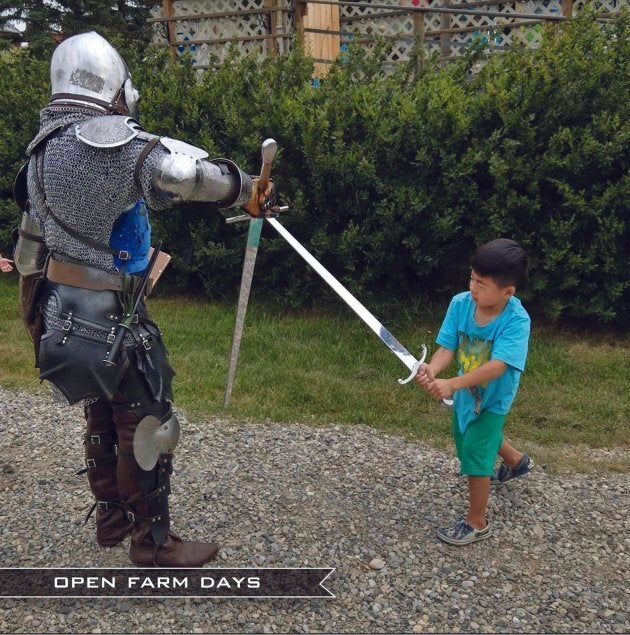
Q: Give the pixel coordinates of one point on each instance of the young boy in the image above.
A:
(489, 330)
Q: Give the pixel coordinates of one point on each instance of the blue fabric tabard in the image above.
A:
(132, 233)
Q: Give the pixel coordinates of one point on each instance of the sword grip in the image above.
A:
(268, 151)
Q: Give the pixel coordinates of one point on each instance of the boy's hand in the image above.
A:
(440, 389)
(425, 375)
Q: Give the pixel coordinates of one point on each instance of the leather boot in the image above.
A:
(175, 552)
(112, 524)
(145, 497)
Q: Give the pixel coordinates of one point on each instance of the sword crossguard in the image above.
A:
(416, 366)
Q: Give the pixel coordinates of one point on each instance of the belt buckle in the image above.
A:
(102, 505)
(95, 439)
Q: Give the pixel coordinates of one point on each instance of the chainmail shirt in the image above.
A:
(88, 188)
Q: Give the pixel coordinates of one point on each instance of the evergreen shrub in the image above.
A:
(394, 180)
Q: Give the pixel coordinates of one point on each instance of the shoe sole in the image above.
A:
(459, 543)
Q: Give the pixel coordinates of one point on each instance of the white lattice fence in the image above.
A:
(207, 28)
(366, 22)
(239, 23)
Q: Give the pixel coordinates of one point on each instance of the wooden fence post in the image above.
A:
(300, 10)
(270, 42)
(445, 38)
(323, 47)
(418, 29)
(567, 8)
(168, 12)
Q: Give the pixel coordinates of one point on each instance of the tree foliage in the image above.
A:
(120, 21)
(393, 181)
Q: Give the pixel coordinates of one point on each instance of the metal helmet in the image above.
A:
(87, 70)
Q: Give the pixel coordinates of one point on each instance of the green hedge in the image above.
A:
(393, 181)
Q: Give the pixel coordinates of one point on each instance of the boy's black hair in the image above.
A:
(503, 260)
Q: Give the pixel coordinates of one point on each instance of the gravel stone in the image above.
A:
(291, 495)
(377, 563)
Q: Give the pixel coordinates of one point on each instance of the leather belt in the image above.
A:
(84, 277)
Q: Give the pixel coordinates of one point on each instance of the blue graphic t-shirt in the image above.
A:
(505, 339)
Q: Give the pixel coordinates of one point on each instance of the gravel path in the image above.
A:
(290, 495)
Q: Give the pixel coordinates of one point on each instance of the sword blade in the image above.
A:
(251, 251)
(384, 335)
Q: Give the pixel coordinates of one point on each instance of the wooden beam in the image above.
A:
(319, 29)
(453, 9)
(223, 40)
(221, 14)
(418, 28)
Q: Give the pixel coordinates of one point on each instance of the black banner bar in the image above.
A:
(117, 582)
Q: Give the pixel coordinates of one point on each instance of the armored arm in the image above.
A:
(184, 173)
(173, 169)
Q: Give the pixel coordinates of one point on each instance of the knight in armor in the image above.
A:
(83, 250)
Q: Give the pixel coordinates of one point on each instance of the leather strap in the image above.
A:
(84, 277)
(39, 182)
(140, 162)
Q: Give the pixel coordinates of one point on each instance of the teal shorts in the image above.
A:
(478, 447)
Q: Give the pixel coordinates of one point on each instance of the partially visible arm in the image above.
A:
(481, 375)
(186, 178)
(185, 174)
(5, 264)
(441, 360)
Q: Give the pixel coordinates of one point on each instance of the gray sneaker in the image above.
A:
(461, 533)
(503, 473)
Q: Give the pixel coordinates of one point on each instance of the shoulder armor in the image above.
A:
(111, 131)
(175, 146)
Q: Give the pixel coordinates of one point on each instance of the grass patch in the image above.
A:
(326, 367)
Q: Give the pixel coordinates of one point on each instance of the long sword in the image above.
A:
(385, 336)
(268, 151)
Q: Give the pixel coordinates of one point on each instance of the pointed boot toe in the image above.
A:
(175, 552)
